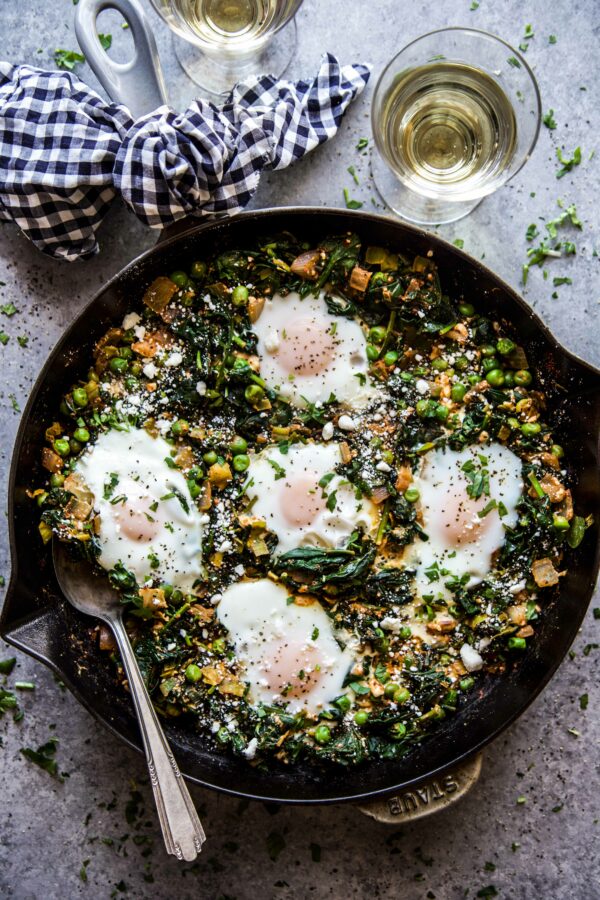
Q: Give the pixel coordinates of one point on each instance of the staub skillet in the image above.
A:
(37, 619)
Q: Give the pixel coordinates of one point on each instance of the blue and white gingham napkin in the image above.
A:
(65, 153)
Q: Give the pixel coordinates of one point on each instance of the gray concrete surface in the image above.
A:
(546, 847)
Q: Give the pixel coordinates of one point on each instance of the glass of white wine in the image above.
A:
(455, 115)
(219, 42)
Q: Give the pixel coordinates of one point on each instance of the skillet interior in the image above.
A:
(38, 620)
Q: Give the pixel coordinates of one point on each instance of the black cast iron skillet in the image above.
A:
(37, 619)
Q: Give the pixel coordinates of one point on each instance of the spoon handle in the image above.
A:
(181, 828)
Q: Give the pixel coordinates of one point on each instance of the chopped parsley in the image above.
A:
(351, 204)
(68, 59)
(549, 120)
(567, 164)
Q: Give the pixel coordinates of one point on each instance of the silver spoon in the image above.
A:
(93, 595)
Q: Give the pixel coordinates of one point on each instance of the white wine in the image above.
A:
(227, 24)
(447, 129)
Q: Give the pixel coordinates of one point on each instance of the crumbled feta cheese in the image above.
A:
(389, 623)
(201, 388)
(250, 751)
(346, 423)
(150, 370)
(131, 320)
(383, 467)
(327, 432)
(225, 547)
(215, 727)
(140, 332)
(272, 342)
(422, 386)
(175, 359)
(472, 660)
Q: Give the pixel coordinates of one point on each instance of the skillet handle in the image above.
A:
(426, 797)
(139, 83)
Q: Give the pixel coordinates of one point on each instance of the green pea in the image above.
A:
(125, 352)
(322, 734)
(423, 408)
(219, 645)
(82, 435)
(238, 445)
(241, 462)
(406, 632)
(210, 457)
(62, 447)
(57, 480)
(41, 498)
(179, 278)
(505, 346)
(80, 397)
(495, 377)
(523, 378)
(557, 451)
(198, 270)
(466, 309)
(458, 391)
(516, 643)
(180, 427)
(377, 334)
(194, 489)
(136, 368)
(254, 393)
(530, 429)
(461, 363)
(487, 350)
(118, 365)
(465, 684)
(193, 673)
(344, 703)
(406, 376)
(441, 412)
(402, 695)
(509, 379)
(561, 523)
(390, 358)
(75, 445)
(473, 379)
(361, 717)
(397, 731)
(514, 423)
(391, 688)
(412, 494)
(239, 295)
(439, 364)
(372, 352)
(488, 363)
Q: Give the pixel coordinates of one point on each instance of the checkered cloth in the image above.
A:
(65, 153)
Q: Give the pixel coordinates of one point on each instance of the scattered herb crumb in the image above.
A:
(556, 282)
(275, 844)
(352, 172)
(9, 309)
(44, 757)
(68, 59)
(583, 701)
(315, 853)
(105, 40)
(459, 243)
(514, 62)
(7, 665)
(351, 204)
(362, 144)
(567, 164)
(552, 39)
(4, 338)
(549, 120)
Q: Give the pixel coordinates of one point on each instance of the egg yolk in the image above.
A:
(301, 501)
(294, 668)
(460, 523)
(306, 347)
(137, 522)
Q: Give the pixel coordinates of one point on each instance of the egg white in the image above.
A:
(143, 522)
(289, 652)
(286, 494)
(307, 354)
(460, 540)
